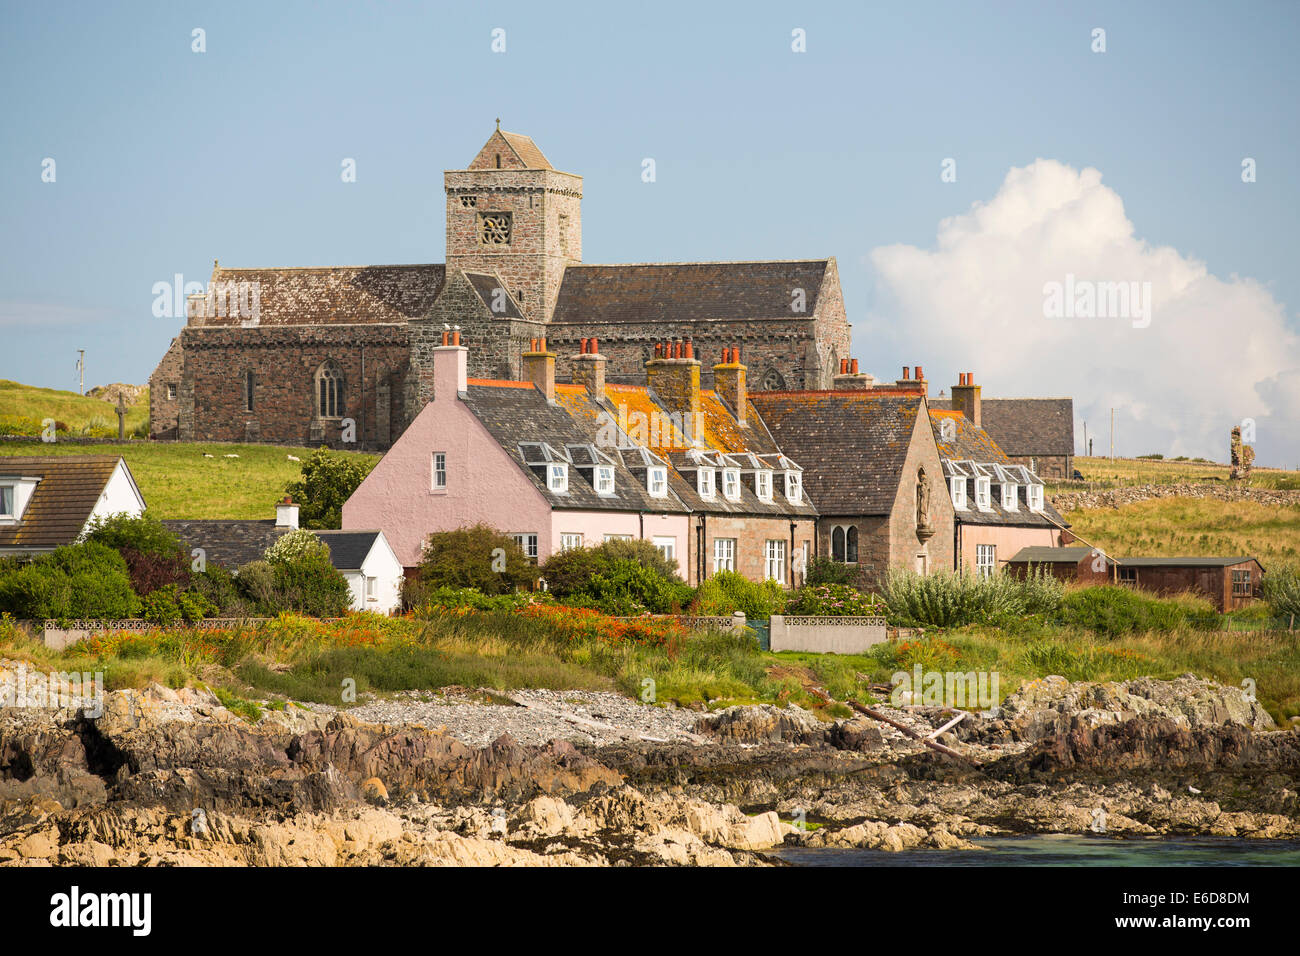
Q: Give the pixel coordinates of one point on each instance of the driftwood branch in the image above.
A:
(898, 725)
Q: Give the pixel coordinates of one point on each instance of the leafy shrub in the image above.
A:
(625, 587)
(154, 556)
(824, 570)
(465, 558)
(327, 480)
(839, 600)
(1282, 591)
(618, 577)
(469, 598)
(950, 599)
(1111, 611)
(169, 604)
(87, 580)
(296, 544)
(311, 585)
(728, 592)
(217, 585)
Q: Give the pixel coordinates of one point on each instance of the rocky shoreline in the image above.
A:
(166, 777)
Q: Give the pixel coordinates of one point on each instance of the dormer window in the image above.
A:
(793, 487)
(604, 479)
(1035, 495)
(656, 481)
(958, 486)
(763, 484)
(557, 477)
(704, 479)
(731, 484)
(1010, 499)
(7, 501)
(983, 493)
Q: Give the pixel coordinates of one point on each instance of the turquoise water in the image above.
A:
(1052, 850)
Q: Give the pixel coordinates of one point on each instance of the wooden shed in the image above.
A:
(1229, 582)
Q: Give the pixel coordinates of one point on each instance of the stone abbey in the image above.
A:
(330, 347)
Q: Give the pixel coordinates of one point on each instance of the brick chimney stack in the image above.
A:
(729, 382)
(539, 367)
(589, 369)
(966, 398)
(675, 379)
(850, 378)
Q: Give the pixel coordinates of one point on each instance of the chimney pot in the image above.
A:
(455, 338)
(844, 366)
(920, 375)
(583, 349)
(853, 366)
(907, 373)
(595, 346)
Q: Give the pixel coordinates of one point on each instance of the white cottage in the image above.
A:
(48, 501)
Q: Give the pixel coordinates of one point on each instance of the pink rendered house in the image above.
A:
(507, 455)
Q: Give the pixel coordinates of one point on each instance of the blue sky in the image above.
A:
(167, 159)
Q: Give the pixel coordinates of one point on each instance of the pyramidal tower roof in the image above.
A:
(509, 151)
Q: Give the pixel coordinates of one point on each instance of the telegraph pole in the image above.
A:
(1112, 434)
(81, 370)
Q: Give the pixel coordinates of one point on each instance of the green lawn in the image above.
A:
(177, 481)
(24, 407)
(1144, 471)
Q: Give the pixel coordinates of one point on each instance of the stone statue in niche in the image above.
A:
(922, 500)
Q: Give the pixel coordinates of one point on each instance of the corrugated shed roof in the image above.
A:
(334, 295)
(675, 293)
(852, 444)
(62, 501)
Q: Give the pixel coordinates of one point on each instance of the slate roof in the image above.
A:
(853, 442)
(998, 474)
(334, 295)
(233, 544)
(965, 441)
(1186, 562)
(516, 415)
(62, 501)
(1026, 427)
(722, 437)
(1045, 555)
(526, 150)
(673, 293)
(485, 287)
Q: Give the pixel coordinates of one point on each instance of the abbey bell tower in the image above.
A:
(510, 214)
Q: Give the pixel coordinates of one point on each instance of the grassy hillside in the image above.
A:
(1192, 526)
(24, 407)
(1102, 472)
(178, 482)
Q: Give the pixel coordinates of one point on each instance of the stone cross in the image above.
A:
(121, 417)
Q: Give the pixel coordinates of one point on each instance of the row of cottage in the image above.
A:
(719, 479)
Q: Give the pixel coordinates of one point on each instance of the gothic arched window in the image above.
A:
(851, 545)
(837, 543)
(329, 391)
(773, 381)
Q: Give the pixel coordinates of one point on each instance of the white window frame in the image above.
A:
(957, 488)
(793, 487)
(667, 546)
(705, 483)
(656, 481)
(604, 479)
(527, 541)
(763, 484)
(731, 484)
(619, 537)
(986, 560)
(438, 481)
(774, 560)
(12, 510)
(724, 554)
(570, 540)
(1035, 495)
(983, 493)
(1010, 496)
(557, 477)
(372, 588)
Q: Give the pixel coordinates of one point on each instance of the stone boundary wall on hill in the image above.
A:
(1118, 497)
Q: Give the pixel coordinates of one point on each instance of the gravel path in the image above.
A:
(476, 724)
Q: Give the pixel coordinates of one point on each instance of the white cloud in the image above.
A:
(1216, 351)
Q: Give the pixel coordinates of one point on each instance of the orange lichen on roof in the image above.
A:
(645, 421)
(721, 432)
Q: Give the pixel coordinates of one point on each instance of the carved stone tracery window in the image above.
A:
(494, 228)
(329, 391)
(773, 381)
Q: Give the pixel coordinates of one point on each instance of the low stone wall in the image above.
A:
(1118, 497)
(827, 634)
(59, 636)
